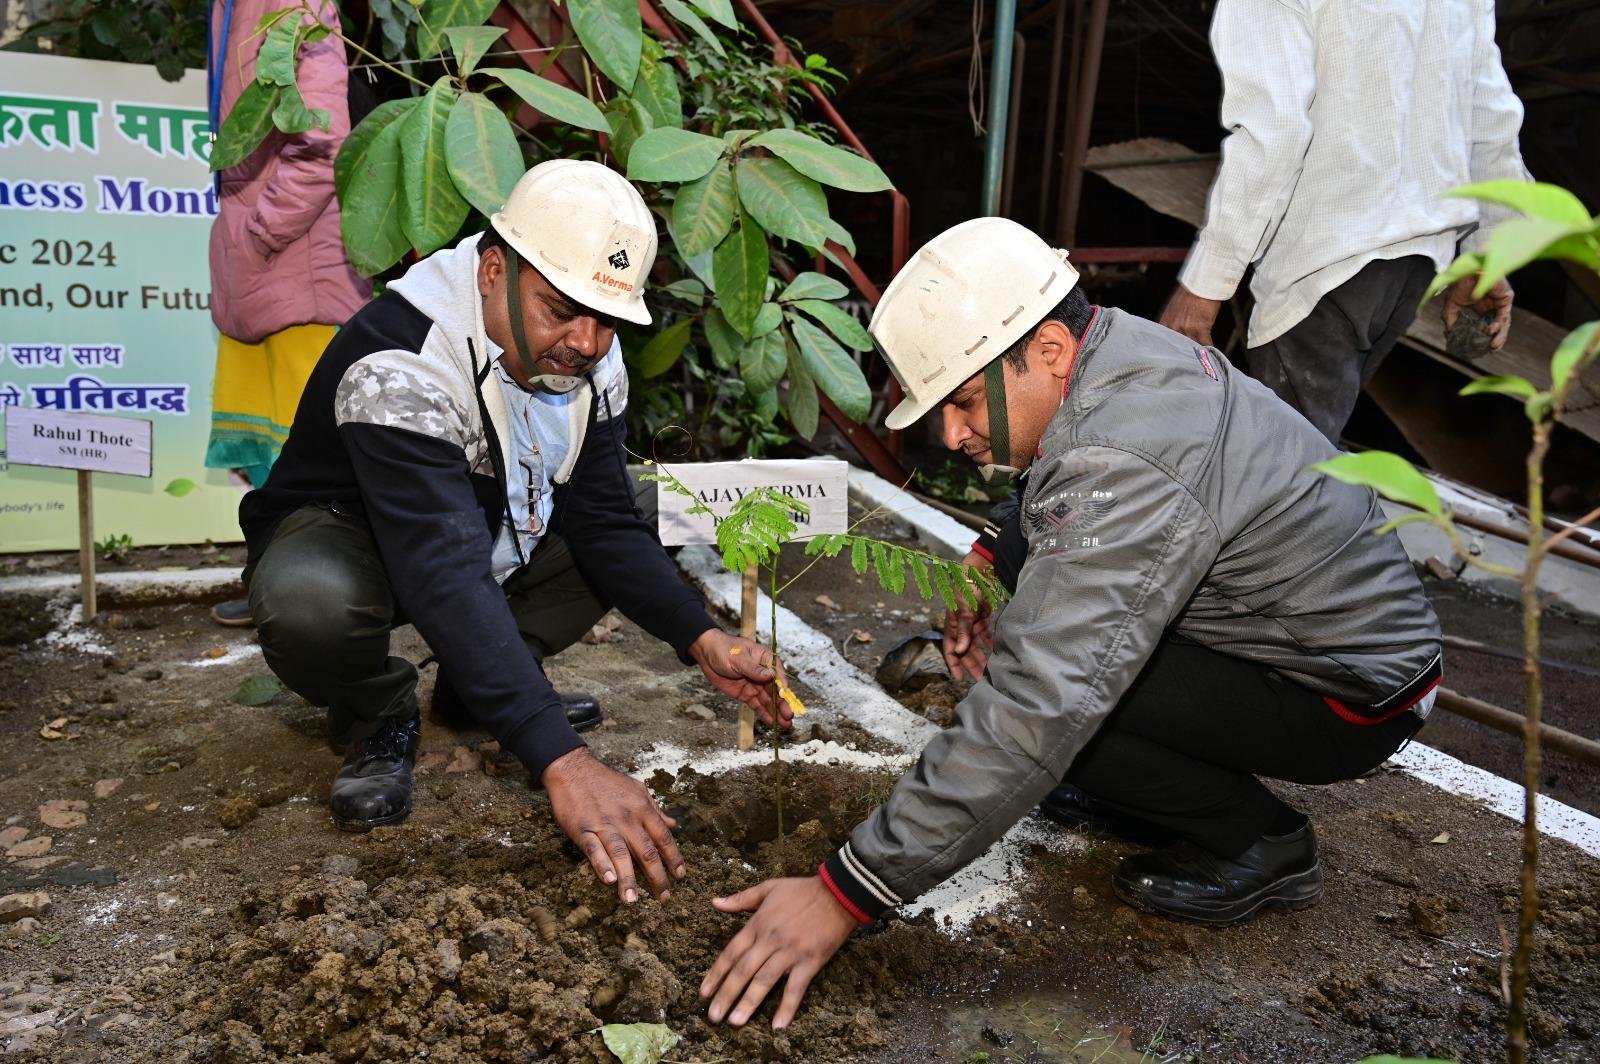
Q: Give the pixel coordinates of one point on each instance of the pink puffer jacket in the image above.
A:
(276, 255)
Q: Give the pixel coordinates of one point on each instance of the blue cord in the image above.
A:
(215, 51)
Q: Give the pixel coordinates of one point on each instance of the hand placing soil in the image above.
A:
(613, 819)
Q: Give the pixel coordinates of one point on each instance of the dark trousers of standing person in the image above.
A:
(1320, 365)
(324, 610)
(1183, 748)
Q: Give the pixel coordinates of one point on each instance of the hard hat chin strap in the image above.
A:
(998, 468)
(558, 383)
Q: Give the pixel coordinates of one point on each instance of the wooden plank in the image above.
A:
(86, 544)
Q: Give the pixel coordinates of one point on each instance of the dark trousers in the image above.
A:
(1184, 746)
(324, 607)
(1320, 366)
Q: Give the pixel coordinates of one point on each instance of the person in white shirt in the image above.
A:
(1347, 124)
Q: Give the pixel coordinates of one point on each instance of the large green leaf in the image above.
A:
(1516, 243)
(686, 15)
(1535, 199)
(1582, 248)
(721, 10)
(432, 210)
(612, 34)
(804, 411)
(355, 146)
(810, 285)
(257, 690)
(482, 153)
(845, 328)
(769, 317)
(369, 211)
(673, 155)
(275, 61)
(835, 372)
(439, 15)
(664, 349)
(557, 101)
(639, 1043)
(726, 343)
(469, 43)
(703, 211)
(293, 116)
(628, 122)
(1390, 475)
(788, 204)
(740, 263)
(656, 90)
(1516, 387)
(246, 126)
(823, 162)
(841, 236)
(762, 362)
(1574, 354)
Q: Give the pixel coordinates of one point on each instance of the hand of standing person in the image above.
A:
(967, 635)
(614, 820)
(1191, 315)
(797, 928)
(1496, 301)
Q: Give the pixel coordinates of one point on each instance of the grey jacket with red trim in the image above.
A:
(1170, 493)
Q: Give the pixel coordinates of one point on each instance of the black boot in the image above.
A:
(1073, 808)
(373, 787)
(447, 709)
(1190, 883)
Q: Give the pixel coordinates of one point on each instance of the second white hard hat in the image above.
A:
(963, 299)
(587, 230)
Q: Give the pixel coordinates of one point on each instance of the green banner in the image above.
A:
(105, 214)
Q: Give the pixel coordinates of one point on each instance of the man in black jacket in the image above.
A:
(457, 462)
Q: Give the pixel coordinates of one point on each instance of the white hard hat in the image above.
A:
(586, 229)
(963, 299)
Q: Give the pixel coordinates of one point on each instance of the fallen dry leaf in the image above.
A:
(1441, 838)
(215, 652)
(826, 602)
(53, 729)
(861, 635)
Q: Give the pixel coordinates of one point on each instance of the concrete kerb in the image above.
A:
(1434, 767)
(142, 587)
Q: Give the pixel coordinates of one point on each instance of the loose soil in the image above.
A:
(207, 910)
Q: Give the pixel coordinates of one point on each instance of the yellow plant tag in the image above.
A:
(791, 698)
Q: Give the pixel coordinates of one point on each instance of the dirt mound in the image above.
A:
(500, 950)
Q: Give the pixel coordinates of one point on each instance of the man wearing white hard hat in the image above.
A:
(1193, 608)
(457, 463)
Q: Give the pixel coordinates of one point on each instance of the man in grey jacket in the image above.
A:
(1193, 607)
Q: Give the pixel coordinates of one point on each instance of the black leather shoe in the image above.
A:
(1190, 883)
(1072, 808)
(447, 709)
(373, 787)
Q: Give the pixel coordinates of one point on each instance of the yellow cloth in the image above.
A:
(254, 395)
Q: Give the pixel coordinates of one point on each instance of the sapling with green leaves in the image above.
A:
(752, 534)
(1554, 224)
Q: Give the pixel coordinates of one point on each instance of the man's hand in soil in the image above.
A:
(797, 928)
(613, 819)
(967, 636)
(1495, 305)
(743, 669)
(1191, 315)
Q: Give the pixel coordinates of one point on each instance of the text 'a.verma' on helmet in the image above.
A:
(965, 296)
(587, 230)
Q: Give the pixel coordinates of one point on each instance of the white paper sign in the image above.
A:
(822, 484)
(66, 440)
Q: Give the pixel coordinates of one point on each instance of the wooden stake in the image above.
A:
(86, 544)
(747, 628)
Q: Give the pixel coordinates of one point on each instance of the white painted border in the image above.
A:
(190, 581)
(1434, 767)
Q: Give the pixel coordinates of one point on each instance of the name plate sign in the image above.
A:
(91, 442)
(822, 484)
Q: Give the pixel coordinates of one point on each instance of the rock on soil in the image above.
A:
(14, 907)
(235, 813)
(37, 846)
(64, 813)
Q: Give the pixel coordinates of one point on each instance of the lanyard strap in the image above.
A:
(999, 429)
(216, 53)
